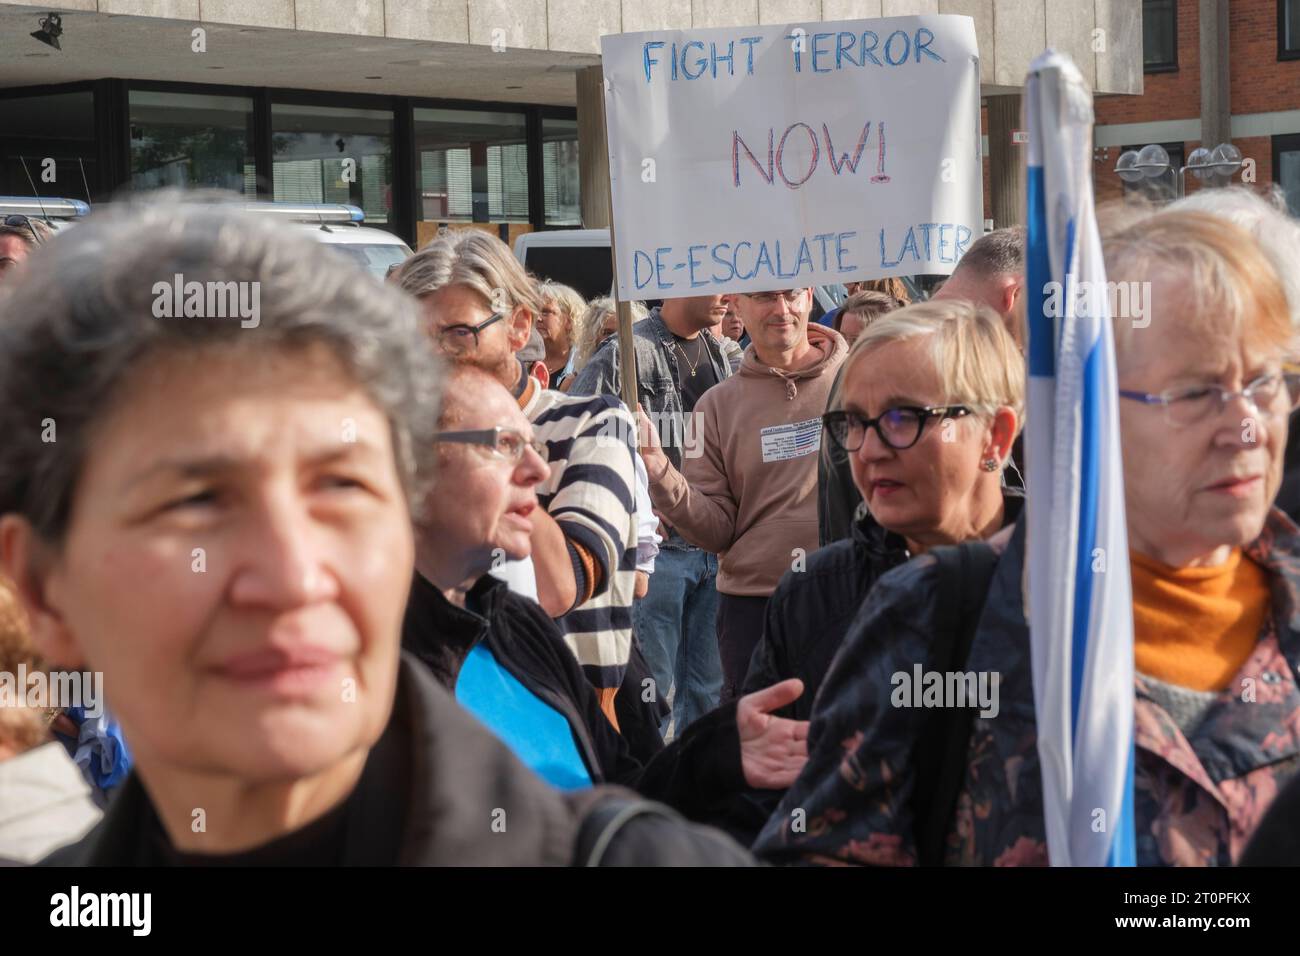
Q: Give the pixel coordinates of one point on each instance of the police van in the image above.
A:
(341, 227)
(337, 225)
(55, 213)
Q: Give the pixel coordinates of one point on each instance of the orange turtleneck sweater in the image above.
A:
(1195, 627)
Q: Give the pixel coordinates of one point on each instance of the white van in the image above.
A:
(339, 226)
(574, 257)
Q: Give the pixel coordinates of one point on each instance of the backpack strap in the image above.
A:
(603, 821)
(965, 574)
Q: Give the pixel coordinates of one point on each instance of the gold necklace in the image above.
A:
(698, 355)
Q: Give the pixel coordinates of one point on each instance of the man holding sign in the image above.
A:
(745, 160)
(751, 496)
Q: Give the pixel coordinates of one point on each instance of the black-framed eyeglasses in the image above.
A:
(503, 442)
(1196, 403)
(464, 338)
(19, 221)
(899, 428)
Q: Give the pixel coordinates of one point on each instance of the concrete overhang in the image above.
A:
(445, 48)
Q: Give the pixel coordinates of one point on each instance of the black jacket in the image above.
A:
(690, 775)
(807, 618)
(811, 610)
(435, 805)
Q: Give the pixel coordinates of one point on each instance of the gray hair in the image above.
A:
(1277, 233)
(584, 336)
(473, 258)
(77, 323)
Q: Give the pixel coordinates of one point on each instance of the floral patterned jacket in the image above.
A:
(1197, 799)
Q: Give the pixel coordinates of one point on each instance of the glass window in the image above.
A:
(192, 141)
(560, 172)
(472, 166)
(52, 126)
(333, 154)
(1159, 35)
(1288, 29)
(1286, 169)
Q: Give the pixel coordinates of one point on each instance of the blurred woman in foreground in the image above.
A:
(223, 528)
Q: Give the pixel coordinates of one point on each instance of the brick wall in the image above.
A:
(1165, 96)
(1259, 83)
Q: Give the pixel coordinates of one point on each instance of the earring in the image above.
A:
(989, 464)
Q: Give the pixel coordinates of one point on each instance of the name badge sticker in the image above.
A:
(783, 442)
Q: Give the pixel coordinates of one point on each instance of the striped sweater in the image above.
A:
(591, 445)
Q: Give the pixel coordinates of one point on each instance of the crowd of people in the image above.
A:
(395, 576)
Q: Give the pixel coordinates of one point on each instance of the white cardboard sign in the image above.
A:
(756, 158)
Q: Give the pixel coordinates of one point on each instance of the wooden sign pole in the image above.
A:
(626, 350)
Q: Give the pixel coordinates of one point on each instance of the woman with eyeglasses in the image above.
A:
(1205, 401)
(506, 660)
(929, 405)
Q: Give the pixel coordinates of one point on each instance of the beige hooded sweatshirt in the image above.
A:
(748, 487)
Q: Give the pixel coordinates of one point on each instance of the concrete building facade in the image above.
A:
(423, 112)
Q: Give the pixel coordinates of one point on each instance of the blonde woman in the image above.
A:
(557, 320)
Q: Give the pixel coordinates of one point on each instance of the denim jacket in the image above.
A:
(658, 388)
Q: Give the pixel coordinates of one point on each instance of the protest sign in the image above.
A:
(752, 158)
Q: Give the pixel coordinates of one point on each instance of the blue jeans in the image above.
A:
(675, 624)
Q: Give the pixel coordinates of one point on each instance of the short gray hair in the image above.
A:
(75, 325)
(473, 258)
(584, 337)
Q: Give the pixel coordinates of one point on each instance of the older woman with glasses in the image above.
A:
(507, 662)
(557, 320)
(218, 518)
(1215, 579)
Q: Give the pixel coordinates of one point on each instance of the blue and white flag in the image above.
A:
(1080, 599)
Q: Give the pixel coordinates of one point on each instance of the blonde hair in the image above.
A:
(974, 354)
(473, 258)
(892, 286)
(1238, 291)
(21, 728)
(1265, 217)
(571, 304)
(586, 338)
